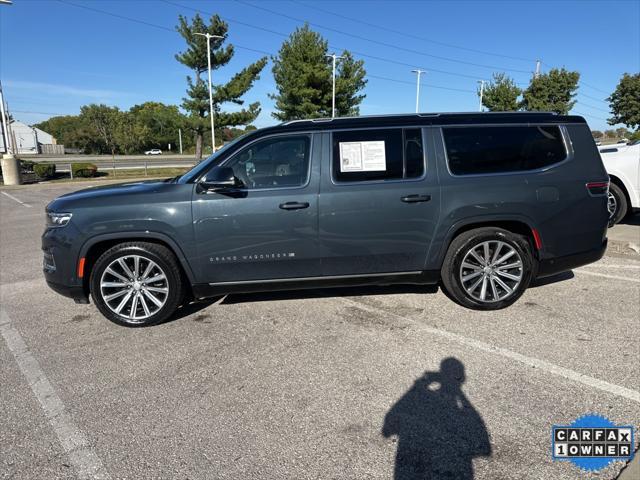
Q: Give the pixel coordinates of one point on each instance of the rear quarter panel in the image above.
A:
(553, 200)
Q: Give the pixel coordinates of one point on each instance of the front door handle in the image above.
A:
(416, 198)
(294, 205)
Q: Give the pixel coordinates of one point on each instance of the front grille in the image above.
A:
(48, 262)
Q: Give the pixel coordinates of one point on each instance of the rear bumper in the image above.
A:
(552, 266)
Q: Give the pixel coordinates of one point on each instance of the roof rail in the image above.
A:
(422, 115)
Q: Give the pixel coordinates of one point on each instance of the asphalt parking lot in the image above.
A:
(327, 384)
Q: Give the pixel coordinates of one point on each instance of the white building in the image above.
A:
(29, 140)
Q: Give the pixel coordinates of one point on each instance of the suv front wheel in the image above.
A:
(136, 284)
(487, 268)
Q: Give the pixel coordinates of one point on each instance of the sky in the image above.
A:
(57, 55)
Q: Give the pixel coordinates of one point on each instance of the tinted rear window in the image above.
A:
(476, 150)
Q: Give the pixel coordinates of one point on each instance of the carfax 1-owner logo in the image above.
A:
(592, 442)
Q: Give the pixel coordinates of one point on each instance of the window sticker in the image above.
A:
(363, 156)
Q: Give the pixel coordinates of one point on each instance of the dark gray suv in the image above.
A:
(479, 203)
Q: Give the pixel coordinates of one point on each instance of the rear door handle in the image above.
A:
(416, 198)
(294, 205)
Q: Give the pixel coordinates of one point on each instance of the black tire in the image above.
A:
(148, 253)
(621, 205)
(452, 273)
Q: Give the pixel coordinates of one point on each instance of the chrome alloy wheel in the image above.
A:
(134, 287)
(491, 271)
(612, 204)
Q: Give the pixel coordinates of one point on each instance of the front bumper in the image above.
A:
(552, 266)
(60, 258)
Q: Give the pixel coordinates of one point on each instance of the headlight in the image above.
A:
(55, 219)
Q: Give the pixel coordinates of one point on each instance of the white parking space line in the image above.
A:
(595, 265)
(15, 199)
(529, 361)
(73, 441)
(604, 275)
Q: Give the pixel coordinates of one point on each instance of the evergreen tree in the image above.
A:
(500, 94)
(197, 101)
(303, 75)
(350, 81)
(551, 92)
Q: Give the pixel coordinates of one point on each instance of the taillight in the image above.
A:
(598, 188)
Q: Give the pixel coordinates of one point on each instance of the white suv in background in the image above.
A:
(622, 162)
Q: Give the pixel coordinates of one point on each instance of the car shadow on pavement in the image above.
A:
(631, 219)
(438, 429)
(329, 293)
(558, 277)
(195, 306)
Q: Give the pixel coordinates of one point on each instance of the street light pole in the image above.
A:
(209, 37)
(5, 127)
(418, 72)
(334, 57)
(481, 82)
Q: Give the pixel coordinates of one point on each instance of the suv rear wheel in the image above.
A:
(136, 284)
(487, 268)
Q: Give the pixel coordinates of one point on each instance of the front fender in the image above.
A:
(141, 235)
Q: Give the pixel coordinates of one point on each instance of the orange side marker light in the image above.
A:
(81, 267)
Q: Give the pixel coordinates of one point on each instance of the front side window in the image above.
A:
(385, 154)
(273, 162)
(478, 150)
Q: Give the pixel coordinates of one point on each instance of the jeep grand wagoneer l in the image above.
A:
(479, 203)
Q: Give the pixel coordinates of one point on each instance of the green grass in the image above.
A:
(139, 172)
(124, 174)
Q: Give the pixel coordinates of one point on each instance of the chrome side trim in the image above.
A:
(328, 277)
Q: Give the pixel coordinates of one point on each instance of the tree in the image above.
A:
(70, 131)
(625, 101)
(500, 94)
(161, 123)
(622, 132)
(551, 92)
(610, 133)
(131, 135)
(303, 75)
(195, 57)
(350, 80)
(596, 133)
(102, 121)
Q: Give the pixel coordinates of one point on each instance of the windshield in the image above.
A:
(210, 161)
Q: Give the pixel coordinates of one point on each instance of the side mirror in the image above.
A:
(220, 178)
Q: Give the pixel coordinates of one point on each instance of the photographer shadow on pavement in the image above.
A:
(439, 431)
